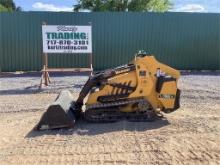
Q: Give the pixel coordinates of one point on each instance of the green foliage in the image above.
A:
(124, 5)
(3, 9)
(8, 5)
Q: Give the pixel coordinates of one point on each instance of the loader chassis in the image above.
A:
(119, 93)
(138, 91)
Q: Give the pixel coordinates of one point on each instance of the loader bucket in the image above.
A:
(59, 114)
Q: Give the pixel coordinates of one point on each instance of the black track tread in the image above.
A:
(110, 113)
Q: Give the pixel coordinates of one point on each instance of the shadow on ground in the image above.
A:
(34, 89)
(29, 83)
(38, 74)
(84, 128)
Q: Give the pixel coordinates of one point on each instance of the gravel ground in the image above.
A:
(189, 135)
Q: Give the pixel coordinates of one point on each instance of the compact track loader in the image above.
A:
(138, 91)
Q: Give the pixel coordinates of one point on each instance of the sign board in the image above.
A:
(67, 39)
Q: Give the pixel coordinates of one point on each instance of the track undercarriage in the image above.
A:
(110, 112)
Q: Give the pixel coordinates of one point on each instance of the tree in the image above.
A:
(124, 5)
(18, 8)
(9, 5)
(2, 8)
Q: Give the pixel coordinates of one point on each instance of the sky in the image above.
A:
(203, 6)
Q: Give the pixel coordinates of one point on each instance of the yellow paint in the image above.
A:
(145, 85)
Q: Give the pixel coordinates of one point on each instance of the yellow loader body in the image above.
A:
(137, 91)
(144, 79)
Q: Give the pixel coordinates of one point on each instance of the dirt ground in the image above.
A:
(190, 135)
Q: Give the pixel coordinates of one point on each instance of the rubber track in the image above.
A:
(111, 114)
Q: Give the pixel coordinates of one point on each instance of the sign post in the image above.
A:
(65, 39)
(45, 75)
(91, 67)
